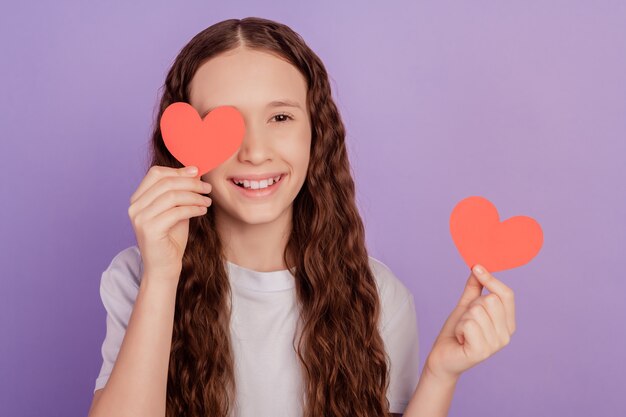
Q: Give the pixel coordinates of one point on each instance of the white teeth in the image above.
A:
(255, 185)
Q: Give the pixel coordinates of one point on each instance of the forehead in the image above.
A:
(246, 78)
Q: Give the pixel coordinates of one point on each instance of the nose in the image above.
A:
(255, 147)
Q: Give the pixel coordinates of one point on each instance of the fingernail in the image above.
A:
(478, 269)
(191, 170)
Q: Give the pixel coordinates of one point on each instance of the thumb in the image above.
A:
(473, 289)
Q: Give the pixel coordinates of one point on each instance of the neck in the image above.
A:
(259, 247)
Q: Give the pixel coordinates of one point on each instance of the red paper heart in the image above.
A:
(481, 238)
(202, 143)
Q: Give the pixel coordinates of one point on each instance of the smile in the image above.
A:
(255, 185)
(256, 189)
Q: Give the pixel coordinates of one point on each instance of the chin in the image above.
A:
(258, 219)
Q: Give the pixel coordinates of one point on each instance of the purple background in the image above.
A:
(522, 102)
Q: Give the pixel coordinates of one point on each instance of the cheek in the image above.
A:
(297, 150)
(305, 154)
(304, 162)
(298, 158)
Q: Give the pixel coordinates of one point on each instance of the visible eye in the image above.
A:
(283, 117)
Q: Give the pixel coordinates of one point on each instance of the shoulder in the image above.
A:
(124, 271)
(392, 292)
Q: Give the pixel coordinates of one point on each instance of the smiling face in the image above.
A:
(270, 93)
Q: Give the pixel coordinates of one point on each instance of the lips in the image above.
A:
(259, 192)
(245, 182)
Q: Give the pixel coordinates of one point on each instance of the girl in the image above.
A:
(266, 303)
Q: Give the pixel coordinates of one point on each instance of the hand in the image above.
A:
(478, 327)
(160, 210)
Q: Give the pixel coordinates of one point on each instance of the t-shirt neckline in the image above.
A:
(260, 281)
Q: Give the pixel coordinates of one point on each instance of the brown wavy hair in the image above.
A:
(340, 348)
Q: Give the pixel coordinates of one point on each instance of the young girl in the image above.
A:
(262, 300)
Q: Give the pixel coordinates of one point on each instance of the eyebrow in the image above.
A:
(276, 103)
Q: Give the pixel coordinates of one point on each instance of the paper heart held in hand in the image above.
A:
(202, 143)
(481, 238)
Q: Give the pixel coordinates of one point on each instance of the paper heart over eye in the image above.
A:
(202, 143)
(481, 238)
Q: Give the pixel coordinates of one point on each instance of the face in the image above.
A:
(270, 93)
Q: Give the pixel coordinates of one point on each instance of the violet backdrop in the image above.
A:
(522, 102)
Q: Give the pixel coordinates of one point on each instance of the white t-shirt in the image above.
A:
(263, 324)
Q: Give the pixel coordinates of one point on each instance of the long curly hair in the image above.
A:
(340, 348)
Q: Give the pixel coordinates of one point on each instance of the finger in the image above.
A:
(501, 290)
(479, 313)
(473, 289)
(474, 342)
(155, 173)
(495, 309)
(450, 324)
(163, 202)
(162, 193)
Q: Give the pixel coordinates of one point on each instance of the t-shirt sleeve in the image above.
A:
(400, 335)
(119, 286)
